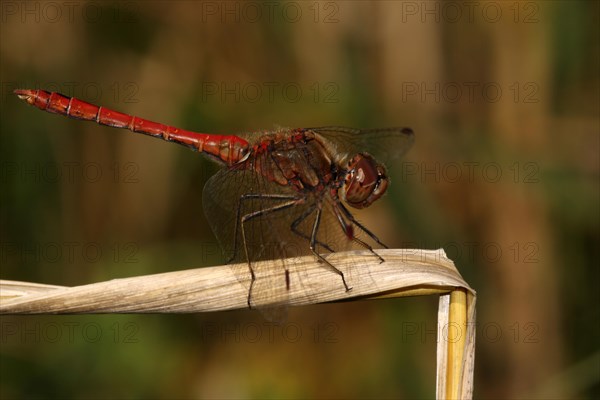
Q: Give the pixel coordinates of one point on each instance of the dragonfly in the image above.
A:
(281, 193)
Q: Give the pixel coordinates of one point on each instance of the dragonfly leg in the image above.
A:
(313, 241)
(368, 247)
(362, 227)
(365, 230)
(291, 201)
(303, 235)
(238, 218)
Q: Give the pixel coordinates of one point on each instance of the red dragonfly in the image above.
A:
(281, 193)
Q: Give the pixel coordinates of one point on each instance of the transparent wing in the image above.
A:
(385, 144)
(278, 229)
(227, 197)
(270, 209)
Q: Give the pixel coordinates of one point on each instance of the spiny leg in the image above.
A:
(255, 214)
(362, 227)
(241, 200)
(347, 226)
(313, 241)
(303, 235)
(368, 247)
(365, 230)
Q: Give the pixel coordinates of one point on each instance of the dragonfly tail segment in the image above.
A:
(226, 148)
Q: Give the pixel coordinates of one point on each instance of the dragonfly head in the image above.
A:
(365, 181)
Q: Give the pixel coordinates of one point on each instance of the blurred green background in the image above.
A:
(504, 100)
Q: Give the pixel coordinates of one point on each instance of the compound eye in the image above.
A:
(365, 182)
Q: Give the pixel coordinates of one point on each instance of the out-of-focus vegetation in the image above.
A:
(504, 100)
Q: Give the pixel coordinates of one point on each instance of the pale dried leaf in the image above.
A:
(404, 273)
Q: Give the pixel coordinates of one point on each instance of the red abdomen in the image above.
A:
(226, 148)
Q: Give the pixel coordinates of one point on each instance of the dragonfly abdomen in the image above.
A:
(226, 148)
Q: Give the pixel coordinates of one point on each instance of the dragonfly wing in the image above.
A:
(386, 144)
(233, 195)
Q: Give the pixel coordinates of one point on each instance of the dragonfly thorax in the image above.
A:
(365, 181)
